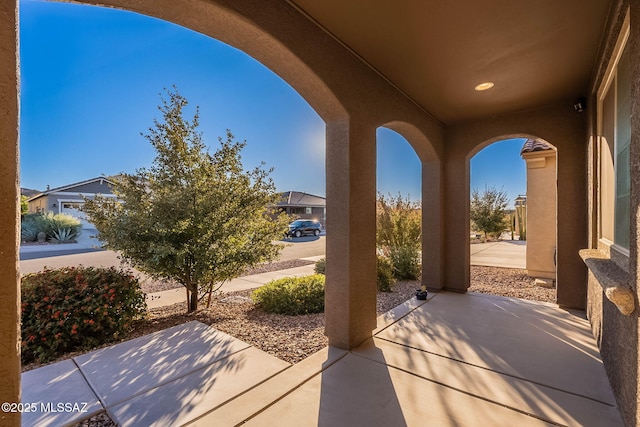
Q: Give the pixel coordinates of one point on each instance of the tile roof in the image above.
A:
(297, 198)
(531, 145)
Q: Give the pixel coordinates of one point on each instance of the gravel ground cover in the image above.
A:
(149, 285)
(293, 338)
(509, 282)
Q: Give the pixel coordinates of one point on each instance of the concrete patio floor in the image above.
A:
(454, 360)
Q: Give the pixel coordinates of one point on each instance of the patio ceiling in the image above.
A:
(536, 53)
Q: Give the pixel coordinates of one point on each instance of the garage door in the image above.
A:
(74, 209)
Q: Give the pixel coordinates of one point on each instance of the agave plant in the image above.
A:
(28, 231)
(64, 235)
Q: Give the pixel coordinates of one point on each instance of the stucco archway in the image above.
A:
(565, 129)
(352, 102)
(431, 196)
(538, 167)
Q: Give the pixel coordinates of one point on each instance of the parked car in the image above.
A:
(304, 227)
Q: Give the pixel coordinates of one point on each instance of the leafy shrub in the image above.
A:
(385, 270)
(71, 309)
(385, 279)
(321, 266)
(292, 295)
(406, 263)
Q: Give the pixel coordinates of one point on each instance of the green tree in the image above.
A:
(399, 234)
(24, 205)
(196, 218)
(488, 210)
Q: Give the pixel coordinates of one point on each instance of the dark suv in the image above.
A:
(303, 227)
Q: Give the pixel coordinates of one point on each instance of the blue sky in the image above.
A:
(90, 84)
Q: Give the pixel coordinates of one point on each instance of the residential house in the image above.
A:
(303, 205)
(69, 199)
(452, 78)
(28, 192)
(540, 158)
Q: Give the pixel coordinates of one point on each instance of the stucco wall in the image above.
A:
(541, 213)
(9, 215)
(618, 335)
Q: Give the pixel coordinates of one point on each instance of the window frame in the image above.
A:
(610, 82)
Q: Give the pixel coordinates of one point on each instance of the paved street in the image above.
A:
(33, 261)
(507, 253)
(303, 247)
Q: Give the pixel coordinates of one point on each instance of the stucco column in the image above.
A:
(456, 223)
(432, 226)
(350, 292)
(9, 216)
(571, 274)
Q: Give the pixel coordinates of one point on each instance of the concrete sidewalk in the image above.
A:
(163, 379)
(505, 254)
(173, 296)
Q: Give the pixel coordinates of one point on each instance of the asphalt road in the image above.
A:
(294, 248)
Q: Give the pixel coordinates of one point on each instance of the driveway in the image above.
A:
(505, 253)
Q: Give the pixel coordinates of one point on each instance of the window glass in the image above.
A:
(623, 140)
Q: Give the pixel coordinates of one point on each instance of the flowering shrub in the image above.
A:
(292, 295)
(71, 309)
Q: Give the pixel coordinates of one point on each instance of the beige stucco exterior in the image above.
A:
(354, 102)
(541, 213)
(9, 214)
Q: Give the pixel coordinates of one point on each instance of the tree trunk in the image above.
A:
(192, 298)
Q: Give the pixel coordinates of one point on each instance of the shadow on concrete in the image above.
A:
(302, 239)
(163, 378)
(359, 391)
(532, 359)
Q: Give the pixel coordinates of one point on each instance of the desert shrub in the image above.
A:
(399, 234)
(64, 235)
(385, 280)
(321, 266)
(60, 228)
(406, 263)
(28, 231)
(292, 295)
(71, 309)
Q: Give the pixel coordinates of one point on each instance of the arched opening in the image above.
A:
(513, 218)
(398, 219)
(296, 146)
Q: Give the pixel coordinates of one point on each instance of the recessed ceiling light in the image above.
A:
(484, 86)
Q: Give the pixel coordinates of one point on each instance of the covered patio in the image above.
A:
(454, 359)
